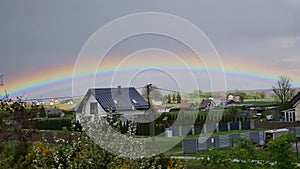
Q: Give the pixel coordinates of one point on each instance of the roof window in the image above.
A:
(134, 101)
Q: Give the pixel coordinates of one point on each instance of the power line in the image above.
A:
(169, 90)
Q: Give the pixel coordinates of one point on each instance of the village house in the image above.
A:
(293, 114)
(207, 104)
(157, 102)
(187, 106)
(54, 101)
(233, 97)
(101, 101)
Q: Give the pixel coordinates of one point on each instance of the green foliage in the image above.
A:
(54, 115)
(169, 100)
(261, 94)
(215, 159)
(279, 150)
(174, 98)
(178, 98)
(245, 155)
(52, 123)
(42, 112)
(7, 155)
(242, 96)
(79, 152)
(232, 113)
(3, 116)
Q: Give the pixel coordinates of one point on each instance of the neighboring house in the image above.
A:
(67, 101)
(157, 102)
(207, 104)
(125, 101)
(233, 96)
(219, 101)
(293, 114)
(187, 106)
(54, 101)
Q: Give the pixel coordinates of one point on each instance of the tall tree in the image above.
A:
(262, 94)
(169, 98)
(283, 89)
(174, 98)
(243, 95)
(178, 98)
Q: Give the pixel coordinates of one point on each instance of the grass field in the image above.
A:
(261, 102)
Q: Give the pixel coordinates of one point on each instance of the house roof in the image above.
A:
(186, 105)
(288, 110)
(295, 99)
(205, 103)
(117, 98)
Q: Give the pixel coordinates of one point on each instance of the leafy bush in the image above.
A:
(280, 150)
(53, 123)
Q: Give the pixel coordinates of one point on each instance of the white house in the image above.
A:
(207, 104)
(293, 114)
(234, 96)
(125, 101)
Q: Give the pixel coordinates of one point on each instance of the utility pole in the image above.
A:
(1, 80)
(151, 117)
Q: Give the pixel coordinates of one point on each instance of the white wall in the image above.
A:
(101, 111)
(297, 112)
(86, 109)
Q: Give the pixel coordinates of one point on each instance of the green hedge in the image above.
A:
(52, 123)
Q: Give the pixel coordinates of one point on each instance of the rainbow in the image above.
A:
(50, 83)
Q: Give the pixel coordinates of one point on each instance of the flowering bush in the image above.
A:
(79, 151)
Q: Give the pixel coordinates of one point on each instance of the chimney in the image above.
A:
(119, 89)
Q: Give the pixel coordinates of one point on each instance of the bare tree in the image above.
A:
(283, 89)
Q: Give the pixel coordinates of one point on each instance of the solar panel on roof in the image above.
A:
(119, 99)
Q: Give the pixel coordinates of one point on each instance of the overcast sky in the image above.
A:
(37, 35)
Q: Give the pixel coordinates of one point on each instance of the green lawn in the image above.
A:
(261, 102)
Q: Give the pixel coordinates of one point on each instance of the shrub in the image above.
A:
(53, 123)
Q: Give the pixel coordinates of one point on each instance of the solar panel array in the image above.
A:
(119, 99)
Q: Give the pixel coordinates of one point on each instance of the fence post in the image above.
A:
(193, 129)
(252, 124)
(228, 126)
(180, 130)
(204, 128)
(240, 125)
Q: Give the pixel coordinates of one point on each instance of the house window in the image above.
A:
(115, 101)
(134, 101)
(93, 107)
(291, 118)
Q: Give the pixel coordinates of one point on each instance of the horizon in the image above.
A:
(52, 54)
